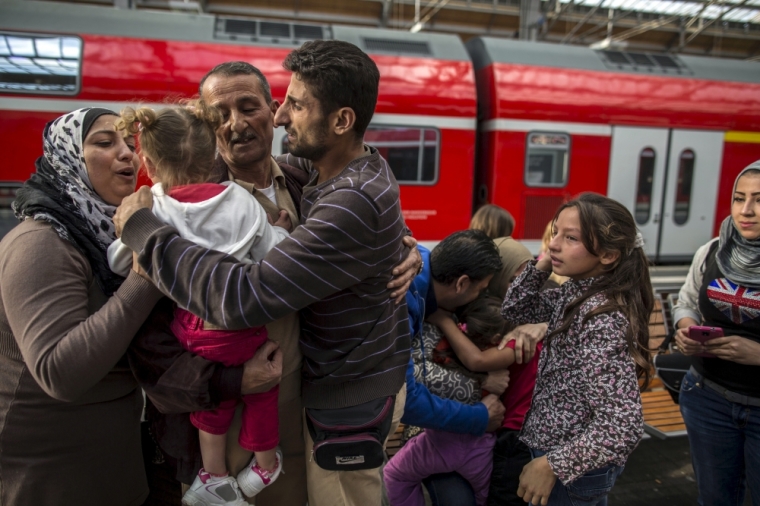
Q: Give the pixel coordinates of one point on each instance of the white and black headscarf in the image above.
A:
(60, 192)
(739, 258)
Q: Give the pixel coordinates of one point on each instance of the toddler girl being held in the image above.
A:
(177, 147)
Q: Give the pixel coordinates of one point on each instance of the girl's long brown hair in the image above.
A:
(607, 226)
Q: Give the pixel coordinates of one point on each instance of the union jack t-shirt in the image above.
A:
(739, 303)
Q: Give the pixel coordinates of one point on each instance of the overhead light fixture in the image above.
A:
(417, 27)
(185, 6)
(609, 43)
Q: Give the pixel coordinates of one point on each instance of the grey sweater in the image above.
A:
(334, 268)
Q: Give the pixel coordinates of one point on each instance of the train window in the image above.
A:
(546, 160)
(269, 29)
(616, 57)
(683, 187)
(241, 26)
(412, 153)
(409, 47)
(640, 59)
(307, 32)
(665, 61)
(644, 187)
(40, 63)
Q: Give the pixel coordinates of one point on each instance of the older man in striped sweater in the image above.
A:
(334, 267)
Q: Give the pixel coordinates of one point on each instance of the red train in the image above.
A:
(522, 125)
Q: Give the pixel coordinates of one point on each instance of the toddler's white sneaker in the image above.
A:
(252, 479)
(208, 490)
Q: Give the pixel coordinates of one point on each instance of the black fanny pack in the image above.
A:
(350, 439)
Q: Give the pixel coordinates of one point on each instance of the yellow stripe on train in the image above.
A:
(750, 137)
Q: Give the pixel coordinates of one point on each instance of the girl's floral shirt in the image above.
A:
(586, 410)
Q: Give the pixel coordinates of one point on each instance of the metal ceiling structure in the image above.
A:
(721, 28)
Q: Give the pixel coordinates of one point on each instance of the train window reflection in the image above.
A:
(644, 187)
(683, 187)
(40, 63)
(546, 159)
(412, 153)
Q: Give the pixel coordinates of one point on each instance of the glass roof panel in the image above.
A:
(747, 13)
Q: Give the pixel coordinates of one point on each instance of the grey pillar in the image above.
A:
(529, 16)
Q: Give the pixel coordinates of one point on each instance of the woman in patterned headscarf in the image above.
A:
(69, 406)
(720, 395)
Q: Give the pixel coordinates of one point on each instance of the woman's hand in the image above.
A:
(526, 339)
(686, 345)
(404, 273)
(734, 348)
(537, 481)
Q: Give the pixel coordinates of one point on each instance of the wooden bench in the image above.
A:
(662, 416)
(394, 443)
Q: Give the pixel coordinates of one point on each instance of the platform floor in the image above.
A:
(658, 473)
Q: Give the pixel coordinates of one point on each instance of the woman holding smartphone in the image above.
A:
(720, 395)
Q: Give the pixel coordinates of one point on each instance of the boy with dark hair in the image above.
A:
(453, 275)
(468, 256)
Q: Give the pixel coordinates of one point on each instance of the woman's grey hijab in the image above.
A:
(739, 258)
(60, 192)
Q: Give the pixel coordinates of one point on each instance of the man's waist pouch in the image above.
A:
(350, 439)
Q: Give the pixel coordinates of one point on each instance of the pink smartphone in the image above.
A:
(703, 335)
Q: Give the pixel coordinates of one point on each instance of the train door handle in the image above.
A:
(656, 218)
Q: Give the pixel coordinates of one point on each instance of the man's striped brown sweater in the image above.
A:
(333, 268)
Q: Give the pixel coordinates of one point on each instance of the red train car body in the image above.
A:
(665, 135)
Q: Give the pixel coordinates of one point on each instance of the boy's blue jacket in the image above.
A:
(422, 408)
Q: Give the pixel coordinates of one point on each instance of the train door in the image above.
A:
(637, 166)
(668, 178)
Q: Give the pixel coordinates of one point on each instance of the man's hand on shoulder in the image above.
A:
(141, 199)
(526, 339)
(404, 273)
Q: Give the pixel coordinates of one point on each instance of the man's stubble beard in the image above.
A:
(313, 152)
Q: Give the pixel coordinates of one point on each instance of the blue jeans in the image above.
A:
(725, 444)
(591, 489)
(449, 489)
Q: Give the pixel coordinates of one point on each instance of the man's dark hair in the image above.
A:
(239, 68)
(338, 74)
(469, 252)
